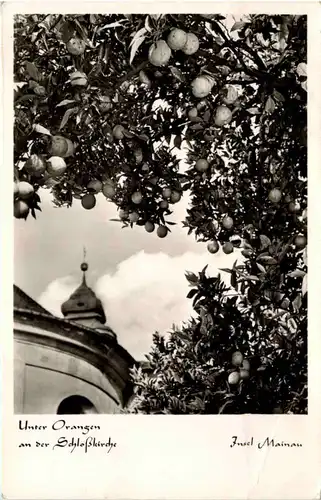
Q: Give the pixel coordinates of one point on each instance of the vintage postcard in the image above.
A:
(158, 339)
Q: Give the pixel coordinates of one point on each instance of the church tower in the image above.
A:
(85, 308)
(69, 365)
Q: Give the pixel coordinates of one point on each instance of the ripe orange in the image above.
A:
(227, 222)
(213, 247)
(137, 197)
(237, 358)
(149, 226)
(214, 226)
(105, 103)
(246, 365)
(143, 78)
(228, 248)
(275, 195)
(247, 253)
(76, 46)
(201, 165)
(95, 185)
(223, 116)
(176, 39)
(109, 190)
(118, 132)
(234, 378)
(166, 193)
(25, 190)
(60, 146)
(230, 95)
(300, 242)
(39, 90)
(88, 201)
(159, 53)
(56, 166)
(192, 113)
(192, 44)
(244, 374)
(78, 79)
(175, 197)
(133, 217)
(35, 165)
(294, 207)
(164, 204)
(20, 209)
(71, 148)
(123, 214)
(162, 231)
(202, 86)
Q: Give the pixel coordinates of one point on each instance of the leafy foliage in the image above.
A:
(261, 150)
(188, 372)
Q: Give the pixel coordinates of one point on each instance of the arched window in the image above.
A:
(75, 405)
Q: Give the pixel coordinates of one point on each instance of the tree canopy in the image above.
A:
(104, 102)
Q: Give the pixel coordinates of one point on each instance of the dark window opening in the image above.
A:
(80, 304)
(76, 405)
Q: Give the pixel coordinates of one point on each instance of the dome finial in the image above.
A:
(83, 303)
(84, 267)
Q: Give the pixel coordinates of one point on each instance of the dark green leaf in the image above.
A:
(67, 115)
(177, 74)
(191, 293)
(32, 71)
(178, 141)
(225, 270)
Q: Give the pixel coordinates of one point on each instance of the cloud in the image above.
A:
(56, 293)
(146, 293)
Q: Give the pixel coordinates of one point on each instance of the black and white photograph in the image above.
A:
(160, 213)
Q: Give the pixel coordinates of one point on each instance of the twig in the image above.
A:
(132, 73)
(242, 82)
(229, 44)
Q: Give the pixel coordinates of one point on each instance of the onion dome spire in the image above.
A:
(83, 303)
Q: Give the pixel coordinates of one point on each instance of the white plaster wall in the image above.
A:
(44, 376)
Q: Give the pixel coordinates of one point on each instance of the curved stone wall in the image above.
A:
(51, 367)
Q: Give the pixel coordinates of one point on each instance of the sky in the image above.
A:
(139, 277)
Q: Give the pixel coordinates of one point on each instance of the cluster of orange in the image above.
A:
(242, 371)
(48, 169)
